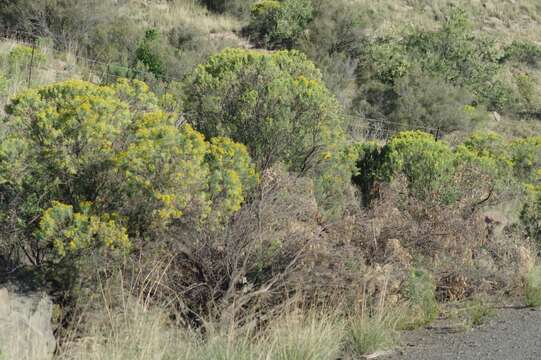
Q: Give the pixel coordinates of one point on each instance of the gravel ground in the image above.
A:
(513, 334)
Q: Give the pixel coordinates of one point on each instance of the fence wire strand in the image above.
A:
(370, 129)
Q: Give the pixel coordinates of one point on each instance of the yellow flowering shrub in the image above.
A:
(84, 166)
(69, 231)
(230, 175)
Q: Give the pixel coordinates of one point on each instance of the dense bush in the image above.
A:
(147, 54)
(274, 103)
(520, 157)
(332, 40)
(277, 106)
(85, 166)
(428, 165)
(431, 103)
(455, 53)
(525, 155)
(433, 171)
(451, 62)
(277, 24)
(523, 51)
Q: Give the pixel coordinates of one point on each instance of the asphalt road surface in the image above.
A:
(513, 334)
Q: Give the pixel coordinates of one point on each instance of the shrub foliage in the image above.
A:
(277, 105)
(85, 166)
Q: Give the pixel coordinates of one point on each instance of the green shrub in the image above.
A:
(88, 167)
(453, 54)
(428, 165)
(488, 152)
(523, 51)
(370, 169)
(430, 102)
(488, 144)
(420, 293)
(274, 103)
(147, 53)
(279, 23)
(385, 59)
(527, 93)
(532, 290)
(68, 231)
(20, 58)
(434, 172)
(277, 106)
(526, 159)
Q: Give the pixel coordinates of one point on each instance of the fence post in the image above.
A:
(31, 62)
(437, 134)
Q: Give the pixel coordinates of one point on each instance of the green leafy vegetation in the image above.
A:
(532, 292)
(274, 179)
(277, 104)
(279, 23)
(421, 300)
(97, 165)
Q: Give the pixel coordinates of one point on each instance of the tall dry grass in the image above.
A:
(168, 14)
(124, 322)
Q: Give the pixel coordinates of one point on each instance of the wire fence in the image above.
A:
(100, 72)
(93, 70)
(382, 129)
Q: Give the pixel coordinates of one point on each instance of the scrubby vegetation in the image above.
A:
(289, 179)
